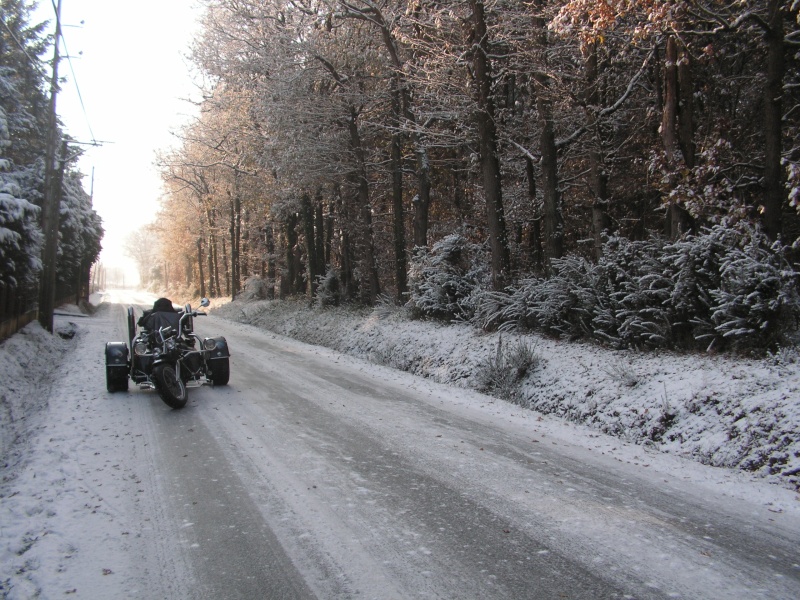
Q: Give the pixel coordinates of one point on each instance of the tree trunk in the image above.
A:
(213, 270)
(349, 283)
(360, 182)
(553, 218)
(225, 266)
(330, 222)
(232, 236)
(669, 117)
(490, 162)
(212, 290)
(774, 176)
(422, 200)
(283, 262)
(677, 219)
(290, 284)
(78, 284)
(245, 248)
(686, 109)
(236, 237)
(598, 178)
(311, 249)
(319, 232)
(200, 267)
(346, 218)
(535, 254)
(272, 270)
(397, 200)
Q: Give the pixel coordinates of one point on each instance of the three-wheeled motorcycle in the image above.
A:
(168, 360)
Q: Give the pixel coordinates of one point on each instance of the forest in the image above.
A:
(25, 121)
(623, 170)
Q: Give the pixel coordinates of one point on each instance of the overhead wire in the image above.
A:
(36, 63)
(78, 89)
(74, 76)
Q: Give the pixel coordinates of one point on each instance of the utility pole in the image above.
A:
(52, 200)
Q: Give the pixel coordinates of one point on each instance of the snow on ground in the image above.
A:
(717, 410)
(57, 525)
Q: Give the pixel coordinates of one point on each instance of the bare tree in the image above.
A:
(143, 247)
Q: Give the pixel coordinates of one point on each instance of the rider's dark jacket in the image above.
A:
(161, 315)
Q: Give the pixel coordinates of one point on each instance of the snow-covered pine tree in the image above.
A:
(757, 304)
(445, 281)
(641, 288)
(20, 236)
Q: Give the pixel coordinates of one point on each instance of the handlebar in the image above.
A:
(193, 313)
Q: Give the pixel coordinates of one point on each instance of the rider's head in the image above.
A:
(163, 305)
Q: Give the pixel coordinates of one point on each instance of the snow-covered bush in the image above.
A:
(255, 288)
(757, 303)
(503, 373)
(445, 281)
(622, 372)
(632, 293)
(329, 288)
(694, 266)
(724, 287)
(565, 303)
(785, 356)
(500, 310)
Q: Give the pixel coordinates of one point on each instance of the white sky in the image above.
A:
(134, 77)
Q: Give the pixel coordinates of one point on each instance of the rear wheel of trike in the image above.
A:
(116, 379)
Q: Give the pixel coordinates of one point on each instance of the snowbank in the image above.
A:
(720, 411)
(27, 366)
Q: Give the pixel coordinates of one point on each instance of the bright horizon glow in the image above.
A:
(129, 61)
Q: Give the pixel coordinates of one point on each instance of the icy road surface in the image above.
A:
(314, 475)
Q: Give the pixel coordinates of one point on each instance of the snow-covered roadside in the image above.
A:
(60, 528)
(26, 365)
(717, 410)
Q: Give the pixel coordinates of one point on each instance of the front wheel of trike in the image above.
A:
(169, 386)
(220, 371)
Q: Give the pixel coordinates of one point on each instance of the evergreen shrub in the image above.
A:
(724, 288)
(329, 288)
(445, 281)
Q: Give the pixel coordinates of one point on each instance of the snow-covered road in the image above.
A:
(317, 475)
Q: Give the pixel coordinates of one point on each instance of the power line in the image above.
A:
(74, 77)
(77, 88)
(36, 64)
